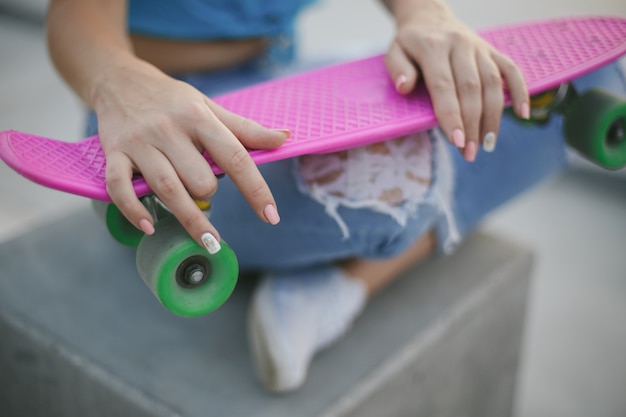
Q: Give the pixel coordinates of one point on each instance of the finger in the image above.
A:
(493, 102)
(164, 181)
(515, 83)
(192, 168)
(230, 155)
(469, 93)
(439, 81)
(119, 173)
(251, 134)
(402, 70)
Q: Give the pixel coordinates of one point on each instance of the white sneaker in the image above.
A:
(293, 316)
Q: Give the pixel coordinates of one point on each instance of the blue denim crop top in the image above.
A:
(216, 19)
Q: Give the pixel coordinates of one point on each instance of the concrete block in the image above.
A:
(81, 335)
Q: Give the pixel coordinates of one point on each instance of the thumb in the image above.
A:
(401, 69)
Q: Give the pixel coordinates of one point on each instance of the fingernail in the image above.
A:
(525, 111)
(470, 151)
(458, 138)
(271, 214)
(489, 142)
(285, 132)
(400, 81)
(210, 243)
(146, 226)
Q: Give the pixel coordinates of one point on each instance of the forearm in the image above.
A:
(406, 9)
(87, 40)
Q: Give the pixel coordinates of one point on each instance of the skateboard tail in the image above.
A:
(75, 168)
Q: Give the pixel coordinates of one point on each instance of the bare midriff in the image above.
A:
(178, 56)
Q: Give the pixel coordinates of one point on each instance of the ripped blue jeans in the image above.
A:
(316, 230)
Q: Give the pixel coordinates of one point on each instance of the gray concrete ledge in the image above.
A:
(80, 335)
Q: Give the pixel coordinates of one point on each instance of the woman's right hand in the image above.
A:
(152, 124)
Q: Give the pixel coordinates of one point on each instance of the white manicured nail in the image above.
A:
(489, 142)
(210, 243)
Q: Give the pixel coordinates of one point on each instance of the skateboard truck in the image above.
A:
(594, 122)
(542, 105)
(183, 276)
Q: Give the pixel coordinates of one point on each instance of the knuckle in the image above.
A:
(447, 115)
(203, 187)
(458, 37)
(158, 123)
(405, 37)
(194, 110)
(250, 129)
(257, 191)
(239, 161)
(114, 179)
(506, 61)
(433, 41)
(245, 124)
(469, 85)
(441, 84)
(111, 143)
(492, 79)
(165, 185)
(193, 222)
(122, 142)
(507, 65)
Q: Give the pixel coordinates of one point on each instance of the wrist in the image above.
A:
(119, 74)
(418, 10)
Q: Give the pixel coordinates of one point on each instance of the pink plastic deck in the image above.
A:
(339, 107)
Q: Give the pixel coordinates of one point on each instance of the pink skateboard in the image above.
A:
(331, 109)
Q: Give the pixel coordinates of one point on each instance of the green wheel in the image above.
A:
(595, 125)
(185, 278)
(121, 229)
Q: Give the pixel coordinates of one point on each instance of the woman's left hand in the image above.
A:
(463, 73)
